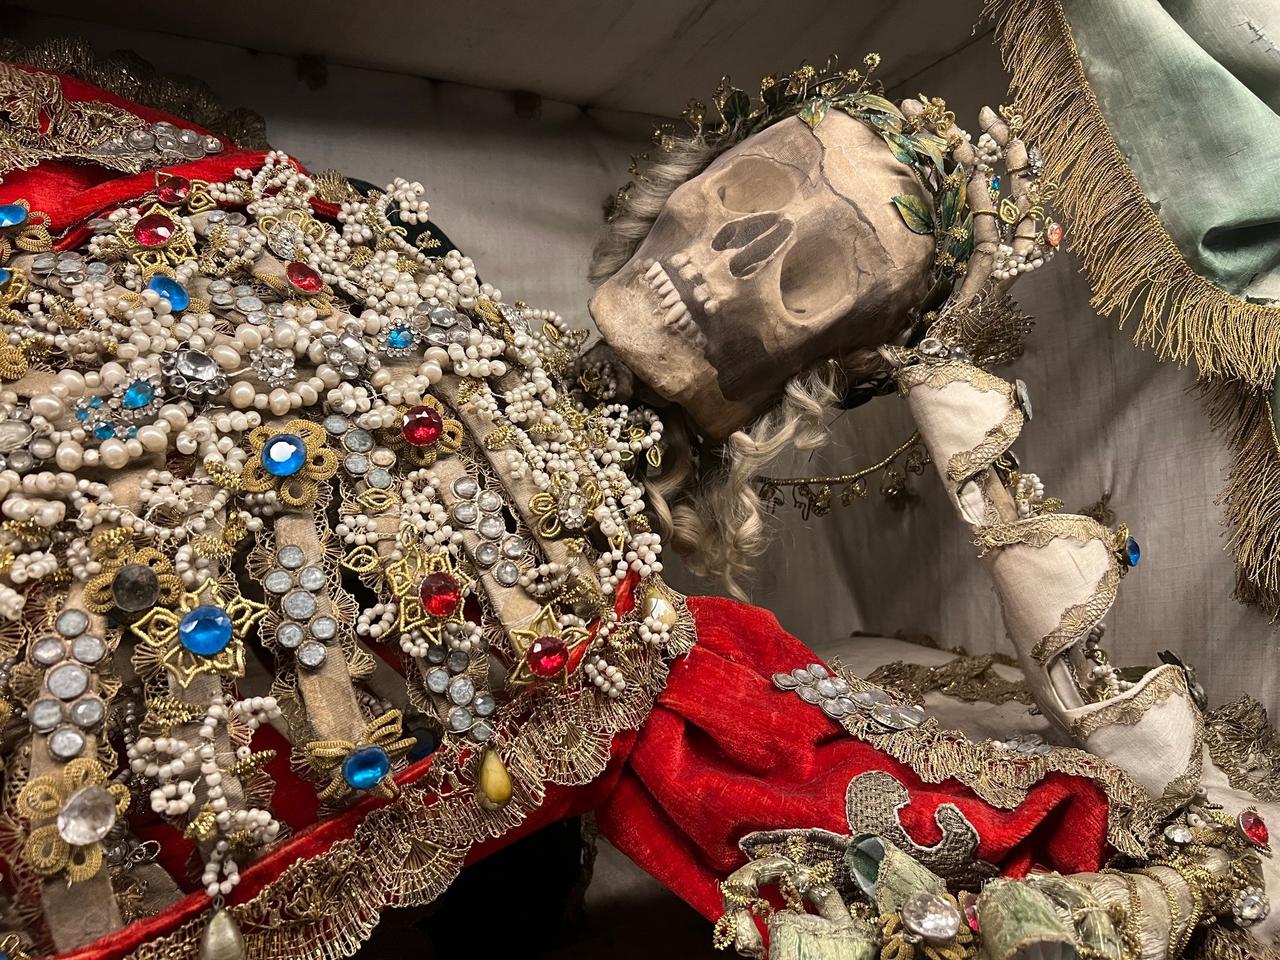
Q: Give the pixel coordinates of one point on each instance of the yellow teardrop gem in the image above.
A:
(495, 782)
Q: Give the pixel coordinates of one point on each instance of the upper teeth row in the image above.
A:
(677, 316)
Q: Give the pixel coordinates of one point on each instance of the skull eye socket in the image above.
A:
(754, 184)
(813, 274)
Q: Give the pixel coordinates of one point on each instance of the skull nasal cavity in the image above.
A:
(756, 238)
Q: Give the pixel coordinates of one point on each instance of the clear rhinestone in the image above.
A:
(47, 651)
(278, 581)
(361, 441)
(465, 513)
(459, 719)
(459, 661)
(465, 488)
(324, 628)
(437, 653)
(312, 578)
(356, 464)
(289, 635)
(437, 680)
(311, 654)
(802, 676)
(484, 704)
(491, 527)
(1178, 833)
(489, 501)
(379, 478)
(299, 605)
(482, 732)
(291, 557)
(337, 424)
(88, 649)
(507, 573)
(486, 554)
(930, 916)
(514, 548)
(65, 743)
(72, 623)
(249, 304)
(44, 714)
(88, 712)
(67, 681)
(461, 690)
(848, 706)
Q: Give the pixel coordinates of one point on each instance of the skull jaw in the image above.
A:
(672, 363)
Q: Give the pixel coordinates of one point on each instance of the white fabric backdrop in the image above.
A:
(524, 198)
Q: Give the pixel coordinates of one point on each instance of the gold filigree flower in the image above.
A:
(203, 634)
(566, 506)
(132, 580)
(78, 808)
(364, 767)
(426, 433)
(544, 650)
(292, 460)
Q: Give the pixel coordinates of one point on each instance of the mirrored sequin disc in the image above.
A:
(278, 581)
(833, 708)
(784, 681)
(88, 712)
(311, 654)
(72, 623)
(808, 694)
(899, 717)
(66, 743)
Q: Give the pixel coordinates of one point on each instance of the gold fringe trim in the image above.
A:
(1251, 498)
(1135, 268)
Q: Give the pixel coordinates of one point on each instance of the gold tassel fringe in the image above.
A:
(1135, 268)
(1251, 499)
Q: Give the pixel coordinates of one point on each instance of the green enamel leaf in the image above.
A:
(917, 217)
(900, 146)
(873, 101)
(814, 111)
(932, 146)
(735, 107)
(952, 202)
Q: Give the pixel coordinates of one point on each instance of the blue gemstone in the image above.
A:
(95, 402)
(283, 456)
(12, 214)
(5, 275)
(82, 414)
(365, 767)
(1132, 552)
(401, 338)
(205, 631)
(995, 183)
(172, 291)
(425, 743)
(104, 431)
(139, 394)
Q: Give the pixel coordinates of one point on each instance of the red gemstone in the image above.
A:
(547, 656)
(304, 277)
(440, 594)
(1053, 233)
(422, 426)
(154, 230)
(969, 904)
(1254, 827)
(172, 189)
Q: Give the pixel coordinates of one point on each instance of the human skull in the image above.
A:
(786, 250)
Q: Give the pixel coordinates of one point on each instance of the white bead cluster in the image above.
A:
(1028, 492)
(607, 678)
(185, 771)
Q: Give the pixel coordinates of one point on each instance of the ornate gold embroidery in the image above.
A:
(966, 678)
(1169, 680)
(1244, 746)
(1078, 620)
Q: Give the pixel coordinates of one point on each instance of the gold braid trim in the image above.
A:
(1079, 619)
(1134, 266)
(1002, 779)
(1244, 417)
(969, 678)
(409, 851)
(995, 441)
(1221, 942)
(1040, 531)
(1245, 747)
(129, 76)
(1169, 680)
